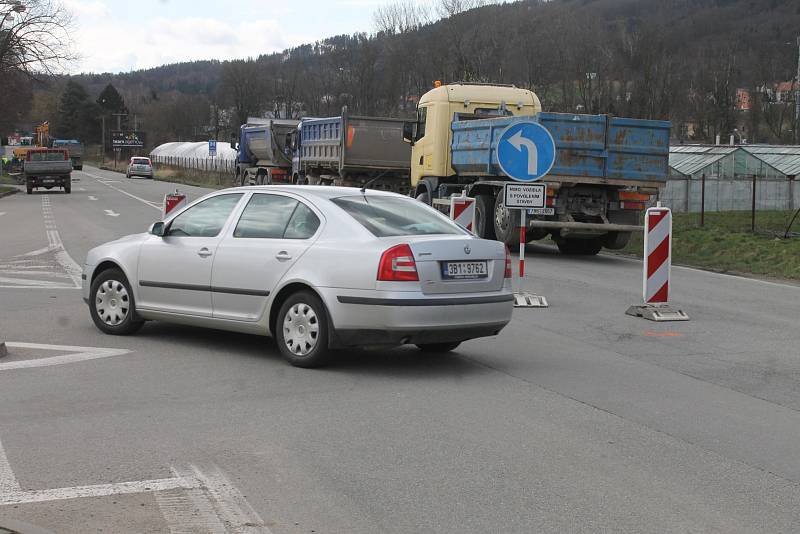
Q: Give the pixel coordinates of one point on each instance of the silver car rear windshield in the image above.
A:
(387, 216)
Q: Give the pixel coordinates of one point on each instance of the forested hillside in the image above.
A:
(677, 59)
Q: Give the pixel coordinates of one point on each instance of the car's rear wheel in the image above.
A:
(302, 330)
(112, 304)
(438, 347)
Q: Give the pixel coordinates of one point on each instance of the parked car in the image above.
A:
(140, 166)
(316, 267)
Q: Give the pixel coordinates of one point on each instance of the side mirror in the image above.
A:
(409, 132)
(158, 228)
(234, 141)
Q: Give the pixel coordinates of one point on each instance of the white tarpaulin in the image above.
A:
(197, 150)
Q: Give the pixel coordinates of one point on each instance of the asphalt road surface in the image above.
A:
(576, 418)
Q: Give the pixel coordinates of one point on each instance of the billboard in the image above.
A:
(120, 139)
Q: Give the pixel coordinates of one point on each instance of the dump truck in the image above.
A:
(48, 168)
(607, 169)
(263, 156)
(353, 151)
(75, 149)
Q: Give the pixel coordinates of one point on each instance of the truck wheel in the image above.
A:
(484, 216)
(580, 247)
(424, 196)
(262, 178)
(506, 222)
(617, 240)
(301, 330)
(29, 189)
(68, 189)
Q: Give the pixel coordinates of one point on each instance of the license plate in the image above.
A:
(541, 211)
(48, 181)
(461, 270)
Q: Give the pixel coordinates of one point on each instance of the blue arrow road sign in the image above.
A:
(526, 151)
(212, 147)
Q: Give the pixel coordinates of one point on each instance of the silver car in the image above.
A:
(140, 166)
(316, 267)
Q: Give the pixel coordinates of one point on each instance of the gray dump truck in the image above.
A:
(75, 149)
(353, 151)
(48, 168)
(262, 155)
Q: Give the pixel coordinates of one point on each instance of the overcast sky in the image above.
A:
(123, 35)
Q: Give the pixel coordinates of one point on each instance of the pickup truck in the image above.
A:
(48, 168)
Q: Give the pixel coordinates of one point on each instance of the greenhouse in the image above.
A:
(726, 173)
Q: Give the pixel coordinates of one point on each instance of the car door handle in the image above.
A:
(283, 255)
(204, 252)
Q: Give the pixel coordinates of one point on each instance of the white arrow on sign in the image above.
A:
(111, 213)
(518, 141)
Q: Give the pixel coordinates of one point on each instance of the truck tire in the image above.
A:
(506, 222)
(29, 189)
(484, 216)
(616, 240)
(68, 189)
(580, 247)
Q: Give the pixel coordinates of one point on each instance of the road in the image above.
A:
(576, 418)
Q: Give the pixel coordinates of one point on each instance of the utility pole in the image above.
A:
(797, 97)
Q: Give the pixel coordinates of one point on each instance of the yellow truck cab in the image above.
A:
(430, 153)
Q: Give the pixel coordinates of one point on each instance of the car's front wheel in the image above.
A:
(301, 330)
(112, 305)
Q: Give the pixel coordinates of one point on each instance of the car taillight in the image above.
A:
(508, 263)
(398, 265)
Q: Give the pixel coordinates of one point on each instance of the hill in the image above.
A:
(677, 59)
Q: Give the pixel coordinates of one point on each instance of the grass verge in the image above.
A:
(726, 243)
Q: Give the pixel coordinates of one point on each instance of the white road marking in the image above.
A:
(192, 501)
(712, 273)
(92, 198)
(107, 184)
(230, 505)
(107, 181)
(2, 213)
(100, 490)
(189, 512)
(8, 482)
(76, 354)
(37, 252)
(54, 259)
(111, 213)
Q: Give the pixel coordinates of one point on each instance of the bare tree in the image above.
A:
(35, 37)
(401, 17)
